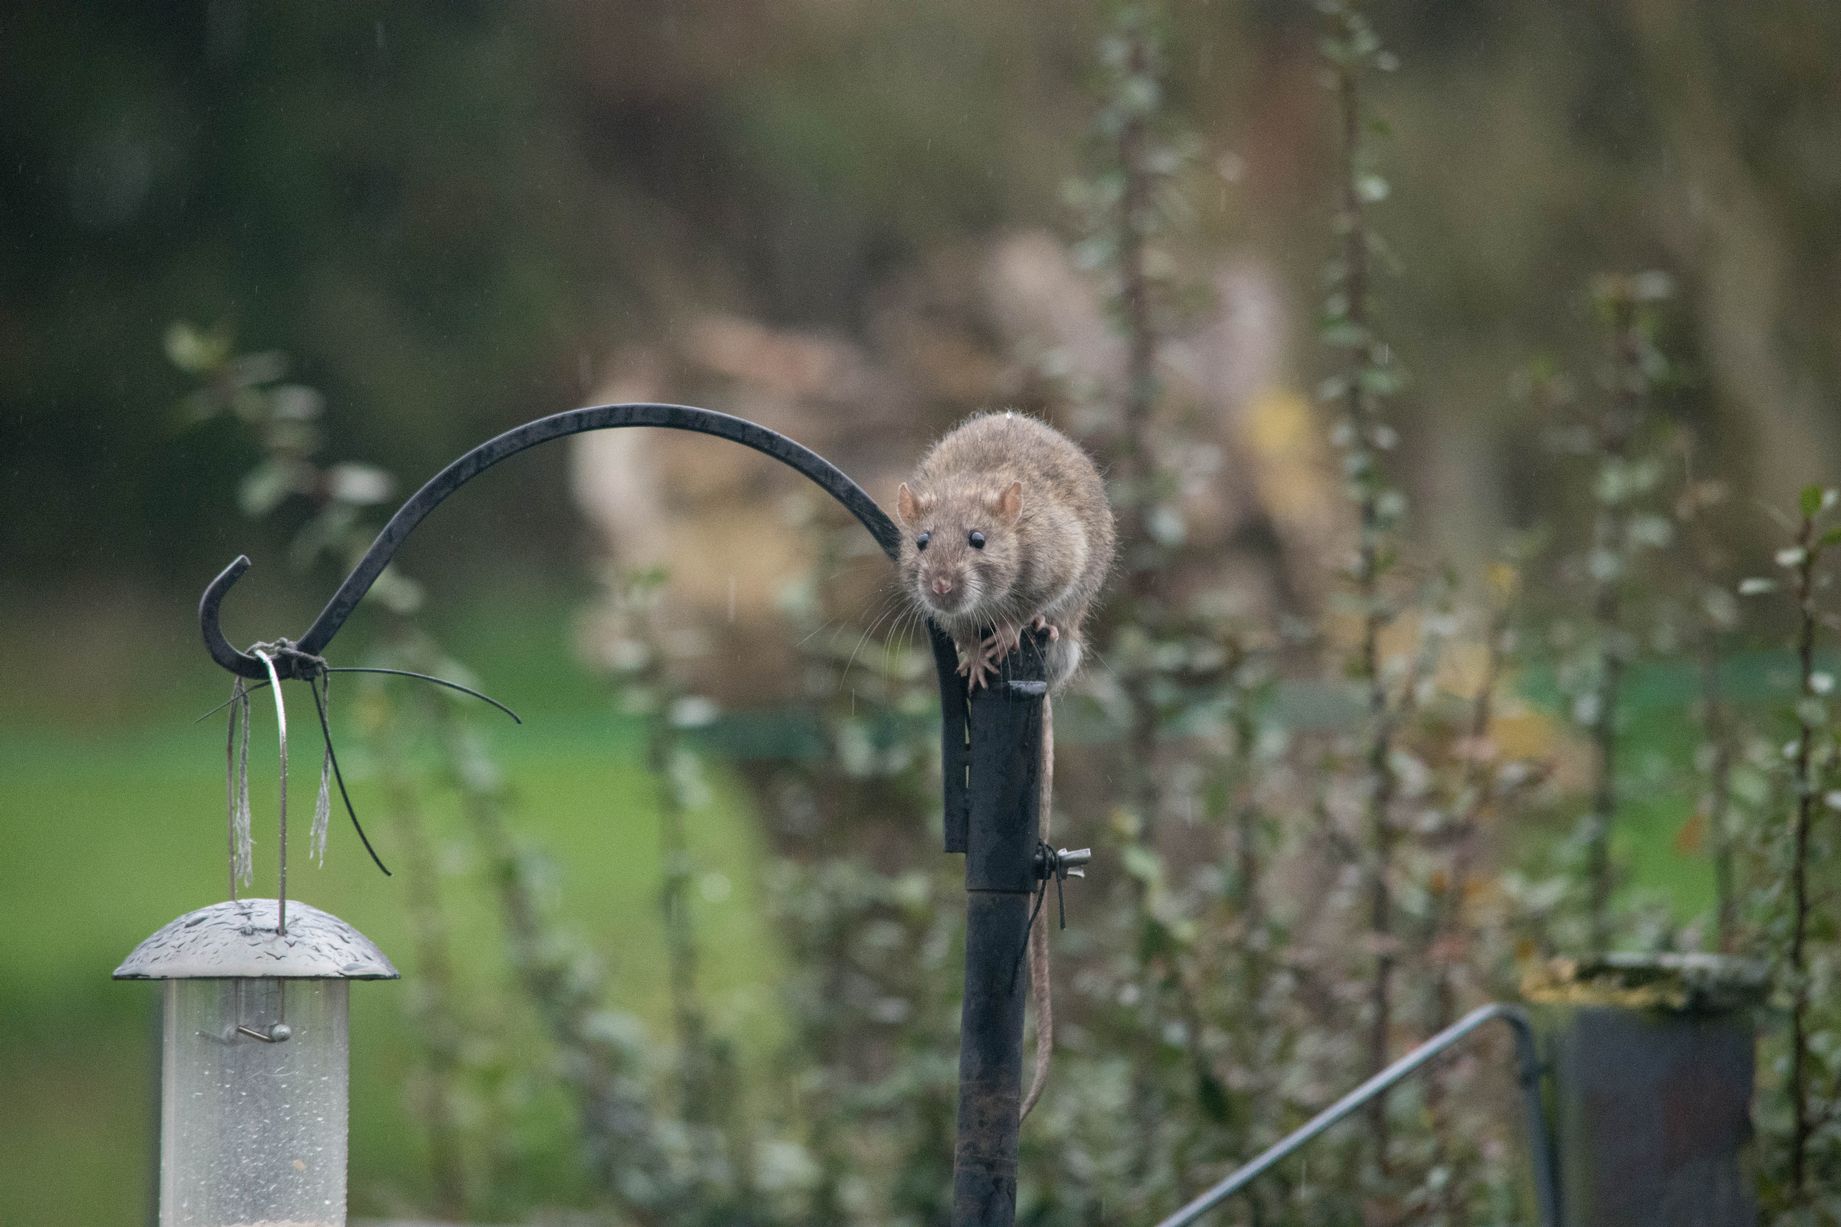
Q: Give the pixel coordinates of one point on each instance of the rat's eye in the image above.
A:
(977, 540)
(920, 542)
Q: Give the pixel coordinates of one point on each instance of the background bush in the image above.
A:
(1437, 404)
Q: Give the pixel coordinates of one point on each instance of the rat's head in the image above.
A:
(959, 555)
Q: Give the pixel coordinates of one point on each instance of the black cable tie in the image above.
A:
(319, 706)
(1017, 967)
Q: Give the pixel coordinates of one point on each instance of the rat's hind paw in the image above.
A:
(1002, 641)
(1040, 623)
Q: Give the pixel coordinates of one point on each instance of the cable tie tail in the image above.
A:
(427, 677)
(1041, 896)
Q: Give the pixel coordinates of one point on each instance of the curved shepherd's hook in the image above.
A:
(1000, 841)
(597, 417)
(827, 476)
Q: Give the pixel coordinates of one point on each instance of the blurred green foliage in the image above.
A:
(455, 215)
(451, 213)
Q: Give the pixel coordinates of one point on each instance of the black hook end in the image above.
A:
(240, 663)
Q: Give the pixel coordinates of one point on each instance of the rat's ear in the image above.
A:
(909, 505)
(1009, 504)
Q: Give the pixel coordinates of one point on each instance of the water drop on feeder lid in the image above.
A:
(255, 1061)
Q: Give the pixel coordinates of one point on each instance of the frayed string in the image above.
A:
(322, 805)
(317, 674)
(236, 753)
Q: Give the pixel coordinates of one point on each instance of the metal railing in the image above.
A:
(1540, 1140)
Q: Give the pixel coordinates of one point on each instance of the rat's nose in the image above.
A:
(942, 584)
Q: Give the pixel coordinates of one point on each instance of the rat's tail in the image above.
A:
(1040, 989)
(1060, 662)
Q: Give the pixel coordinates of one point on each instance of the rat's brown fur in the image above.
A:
(1039, 504)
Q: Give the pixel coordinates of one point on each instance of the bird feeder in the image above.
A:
(255, 1059)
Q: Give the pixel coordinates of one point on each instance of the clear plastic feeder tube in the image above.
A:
(252, 1128)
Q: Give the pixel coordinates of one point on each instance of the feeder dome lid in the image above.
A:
(237, 939)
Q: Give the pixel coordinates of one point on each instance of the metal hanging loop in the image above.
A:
(281, 724)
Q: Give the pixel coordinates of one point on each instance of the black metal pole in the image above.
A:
(1003, 794)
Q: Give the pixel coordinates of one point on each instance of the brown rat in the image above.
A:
(1009, 529)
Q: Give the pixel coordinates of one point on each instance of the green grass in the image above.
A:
(1660, 788)
(110, 828)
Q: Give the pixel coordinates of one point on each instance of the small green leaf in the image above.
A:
(1652, 286)
(397, 592)
(1142, 863)
(1166, 526)
(358, 484)
(323, 533)
(1378, 381)
(293, 402)
(1213, 1097)
(1342, 333)
(263, 488)
(1651, 531)
(1604, 565)
(195, 350)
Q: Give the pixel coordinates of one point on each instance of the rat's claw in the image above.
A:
(1003, 641)
(1040, 623)
(983, 660)
(978, 672)
(976, 666)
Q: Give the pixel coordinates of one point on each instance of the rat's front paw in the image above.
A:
(981, 663)
(975, 663)
(978, 670)
(1040, 623)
